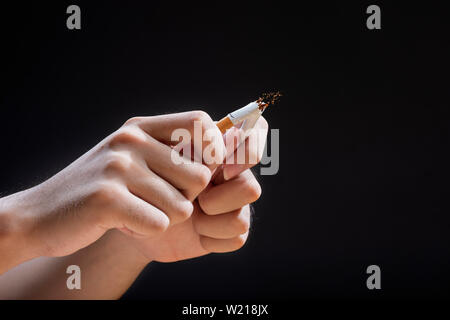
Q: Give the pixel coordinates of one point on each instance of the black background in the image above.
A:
(363, 125)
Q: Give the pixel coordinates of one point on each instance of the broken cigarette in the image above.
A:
(248, 115)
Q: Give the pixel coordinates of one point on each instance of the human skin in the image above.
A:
(126, 182)
(219, 223)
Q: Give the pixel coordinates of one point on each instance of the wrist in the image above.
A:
(15, 246)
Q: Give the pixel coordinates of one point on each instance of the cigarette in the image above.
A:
(247, 116)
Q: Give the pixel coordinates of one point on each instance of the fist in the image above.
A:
(221, 218)
(126, 182)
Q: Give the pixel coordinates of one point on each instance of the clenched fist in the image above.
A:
(127, 182)
(221, 217)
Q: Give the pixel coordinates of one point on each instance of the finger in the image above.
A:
(150, 187)
(231, 139)
(162, 127)
(188, 176)
(223, 226)
(204, 135)
(223, 245)
(231, 195)
(247, 154)
(133, 214)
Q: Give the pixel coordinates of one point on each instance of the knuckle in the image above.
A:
(202, 177)
(184, 210)
(241, 223)
(105, 193)
(117, 163)
(133, 121)
(239, 242)
(160, 225)
(252, 190)
(127, 136)
(199, 115)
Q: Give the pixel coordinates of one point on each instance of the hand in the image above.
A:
(221, 217)
(128, 182)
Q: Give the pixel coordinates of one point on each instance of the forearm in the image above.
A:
(108, 268)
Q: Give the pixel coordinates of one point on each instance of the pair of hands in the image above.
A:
(128, 184)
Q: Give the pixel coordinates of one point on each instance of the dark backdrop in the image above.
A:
(363, 125)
